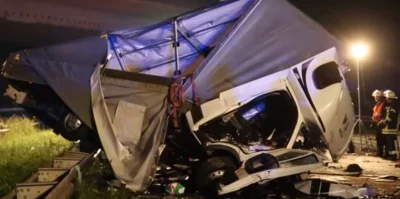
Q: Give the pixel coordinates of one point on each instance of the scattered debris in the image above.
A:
(304, 176)
(115, 183)
(351, 148)
(386, 178)
(335, 167)
(318, 187)
(330, 178)
(353, 168)
(337, 173)
(363, 159)
(3, 128)
(397, 194)
(372, 169)
(175, 188)
(366, 191)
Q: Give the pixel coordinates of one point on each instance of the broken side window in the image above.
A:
(326, 75)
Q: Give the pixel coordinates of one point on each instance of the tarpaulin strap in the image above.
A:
(176, 96)
(196, 98)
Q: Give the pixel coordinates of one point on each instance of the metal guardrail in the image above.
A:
(55, 182)
(365, 118)
(12, 110)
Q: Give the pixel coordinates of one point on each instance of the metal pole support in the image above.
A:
(176, 45)
(359, 96)
(396, 144)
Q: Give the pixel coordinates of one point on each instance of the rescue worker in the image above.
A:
(390, 123)
(377, 115)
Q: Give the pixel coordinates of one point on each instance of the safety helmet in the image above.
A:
(377, 93)
(390, 94)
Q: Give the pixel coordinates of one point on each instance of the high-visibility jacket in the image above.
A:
(378, 111)
(391, 120)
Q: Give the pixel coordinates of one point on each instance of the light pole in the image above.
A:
(359, 51)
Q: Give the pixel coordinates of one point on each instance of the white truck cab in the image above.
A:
(304, 112)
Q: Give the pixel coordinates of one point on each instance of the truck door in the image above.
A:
(324, 99)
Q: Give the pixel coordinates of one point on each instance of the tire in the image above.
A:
(209, 187)
(58, 125)
(73, 134)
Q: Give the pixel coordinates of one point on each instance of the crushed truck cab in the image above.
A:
(298, 108)
(311, 104)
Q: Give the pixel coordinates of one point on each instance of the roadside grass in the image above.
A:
(23, 149)
(95, 183)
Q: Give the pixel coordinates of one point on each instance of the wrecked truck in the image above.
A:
(223, 99)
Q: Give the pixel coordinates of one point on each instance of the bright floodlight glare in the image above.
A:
(359, 51)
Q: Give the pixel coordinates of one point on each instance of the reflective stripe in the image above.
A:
(389, 109)
(389, 131)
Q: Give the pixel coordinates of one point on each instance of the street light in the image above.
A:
(359, 51)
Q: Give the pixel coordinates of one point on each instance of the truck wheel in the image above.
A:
(210, 173)
(71, 128)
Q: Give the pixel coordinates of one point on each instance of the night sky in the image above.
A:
(376, 22)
